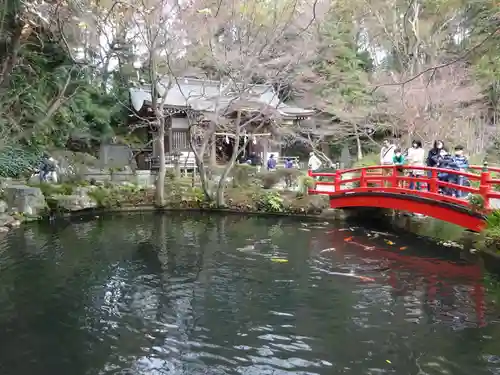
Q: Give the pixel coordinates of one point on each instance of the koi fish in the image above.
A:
(330, 249)
(362, 278)
(279, 260)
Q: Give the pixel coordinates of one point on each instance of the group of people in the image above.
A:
(438, 157)
(271, 164)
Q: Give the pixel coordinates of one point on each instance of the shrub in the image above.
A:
(491, 234)
(493, 219)
(243, 174)
(270, 201)
(49, 190)
(270, 179)
(476, 201)
(105, 198)
(170, 174)
(16, 161)
(305, 183)
(119, 196)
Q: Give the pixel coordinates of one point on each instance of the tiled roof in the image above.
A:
(206, 95)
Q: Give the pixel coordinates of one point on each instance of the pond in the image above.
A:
(198, 294)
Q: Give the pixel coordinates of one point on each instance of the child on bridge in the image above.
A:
(399, 160)
(462, 164)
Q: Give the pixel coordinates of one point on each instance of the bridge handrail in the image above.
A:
(480, 168)
(396, 180)
(405, 166)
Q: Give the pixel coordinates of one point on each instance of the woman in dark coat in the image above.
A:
(434, 157)
(434, 153)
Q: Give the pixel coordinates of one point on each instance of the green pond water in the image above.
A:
(197, 294)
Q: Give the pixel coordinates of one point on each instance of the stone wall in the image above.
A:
(116, 156)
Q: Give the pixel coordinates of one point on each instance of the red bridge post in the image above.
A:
(433, 183)
(485, 185)
(338, 178)
(362, 179)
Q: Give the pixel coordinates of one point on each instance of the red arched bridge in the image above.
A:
(424, 190)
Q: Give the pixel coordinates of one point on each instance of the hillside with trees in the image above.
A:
(422, 69)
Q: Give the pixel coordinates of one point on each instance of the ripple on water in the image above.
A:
(191, 295)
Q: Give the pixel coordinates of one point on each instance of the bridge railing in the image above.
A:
(424, 180)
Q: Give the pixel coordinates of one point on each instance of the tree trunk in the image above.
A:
(358, 143)
(199, 157)
(220, 200)
(204, 181)
(221, 187)
(9, 50)
(160, 180)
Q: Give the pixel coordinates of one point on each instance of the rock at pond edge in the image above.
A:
(25, 199)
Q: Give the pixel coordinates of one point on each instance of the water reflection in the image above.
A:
(194, 294)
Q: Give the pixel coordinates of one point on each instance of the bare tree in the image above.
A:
(159, 44)
(252, 48)
(449, 106)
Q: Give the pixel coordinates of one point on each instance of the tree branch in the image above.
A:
(433, 69)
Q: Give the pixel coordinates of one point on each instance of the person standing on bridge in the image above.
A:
(387, 158)
(447, 162)
(462, 163)
(435, 154)
(416, 158)
(434, 157)
(399, 160)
